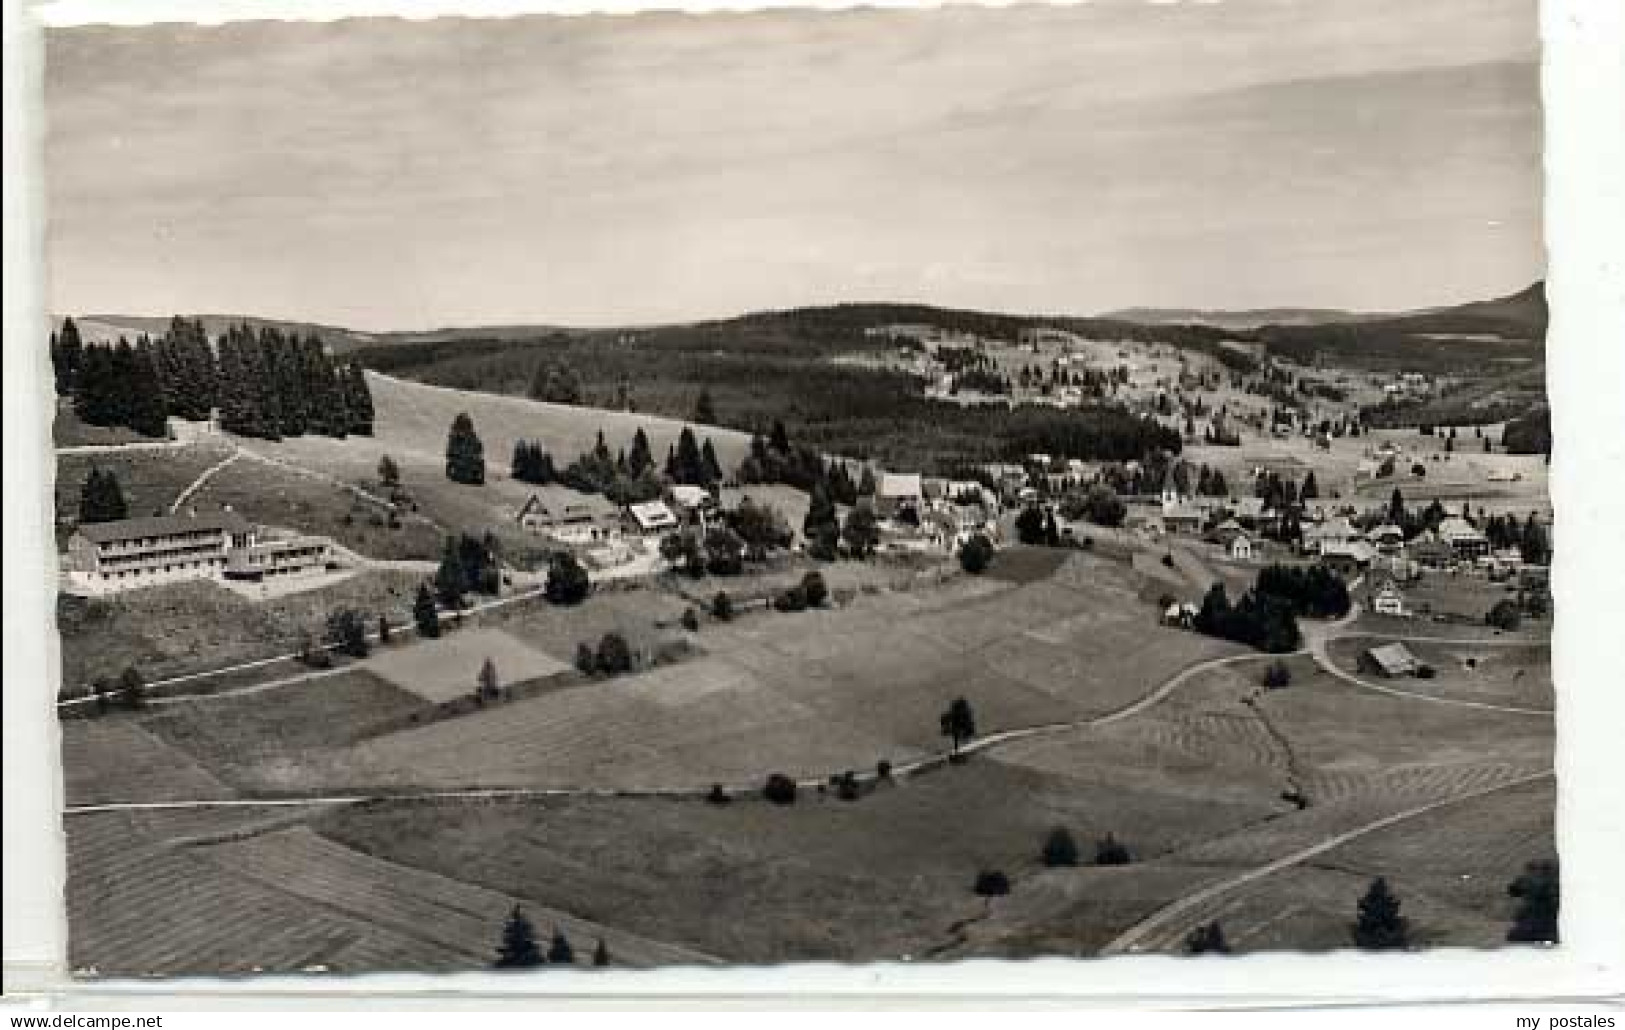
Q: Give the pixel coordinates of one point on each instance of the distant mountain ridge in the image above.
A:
(1520, 315)
(1516, 319)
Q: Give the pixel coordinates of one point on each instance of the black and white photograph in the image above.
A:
(735, 489)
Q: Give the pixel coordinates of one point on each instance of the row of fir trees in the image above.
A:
(265, 382)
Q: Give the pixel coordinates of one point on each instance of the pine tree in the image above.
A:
(690, 463)
(518, 949)
(779, 439)
(1207, 939)
(704, 412)
(1378, 925)
(426, 613)
(101, 499)
(560, 953)
(713, 467)
(487, 684)
(821, 513)
(640, 459)
(465, 454)
(67, 356)
(600, 954)
(358, 397)
(1538, 894)
(450, 583)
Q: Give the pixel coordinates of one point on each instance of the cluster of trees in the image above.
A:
(811, 592)
(1036, 526)
(1313, 591)
(625, 477)
(556, 382)
(773, 459)
(101, 499)
(266, 383)
(1259, 620)
(1060, 849)
(1099, 504)
(612, 657)
(748, 532)
(567, 580)
(822, 526)
(129, 691)
(533, 464)
(1530, 434)
(519, 949)
(468, 564)
(270, 385)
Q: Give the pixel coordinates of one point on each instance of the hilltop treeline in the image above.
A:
(265, 383)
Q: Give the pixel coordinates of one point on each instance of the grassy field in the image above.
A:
(412, 420)
(190, 627)
(274, 496)
(231, 892)
(885, 877)
(439, 670)
(151, 479)
(815, 692)
(279, 739)
(1498, 674)
(114, 758)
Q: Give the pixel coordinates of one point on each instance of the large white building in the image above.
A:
(105, 557)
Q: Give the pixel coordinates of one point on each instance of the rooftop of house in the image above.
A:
(1393, 658)
(690, 496)
(560, 502)
(163, 525)
(899, 484)
(652, 514)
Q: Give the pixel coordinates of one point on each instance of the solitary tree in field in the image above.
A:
(489, 686)
(450, 582)
(1207, 939)
(1378, 926)
(560, 953)
(101, 499)
(389, 473)
(465, 454)
(426, 613)
(705, 412)
(976, 554)
(1537, 893)
(1060, 849)
(132, 689)
(958, 723)
(518, 948)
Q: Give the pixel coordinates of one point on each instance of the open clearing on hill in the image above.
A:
(150, 478)
(412, 419)
(439, 670)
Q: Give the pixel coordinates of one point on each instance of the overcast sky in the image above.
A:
(1370, 154)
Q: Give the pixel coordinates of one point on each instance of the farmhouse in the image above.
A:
(1241, 547)
(1182, 518)
(1333, 532)
(1387, 538)
(1347, 559)
(1388, 600)
(1463, 537)
(568, 516)
(1389, 660)
(649, 518)
(692, 502)
(896, 493)
(1431, 552)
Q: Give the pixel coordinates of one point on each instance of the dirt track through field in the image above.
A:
(1169, 923)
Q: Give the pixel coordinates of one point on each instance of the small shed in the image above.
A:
(1389, 660)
